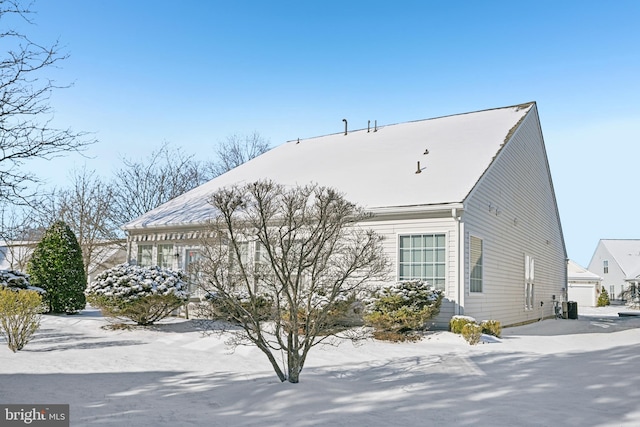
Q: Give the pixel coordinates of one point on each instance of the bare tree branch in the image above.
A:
(26, 130)
(87, 208)
(144, 185)
(236, 150)
(286, 264)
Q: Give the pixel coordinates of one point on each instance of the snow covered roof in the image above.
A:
(576, 272)
(375, 169)
(626, 253)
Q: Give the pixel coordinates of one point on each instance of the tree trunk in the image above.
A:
(293, 359)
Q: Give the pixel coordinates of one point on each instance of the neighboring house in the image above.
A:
(14, 255)
(618, 262)
(584, 287)
(465, 202)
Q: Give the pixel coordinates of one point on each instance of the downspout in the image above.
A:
(460, 273)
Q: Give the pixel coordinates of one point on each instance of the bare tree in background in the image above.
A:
(26, 131)
(19, 233)
(236, 150)
(87, 208)
(285, 264)
(141, 186)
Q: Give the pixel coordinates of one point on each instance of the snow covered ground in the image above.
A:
(557, 372)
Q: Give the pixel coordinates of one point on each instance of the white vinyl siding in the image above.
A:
(422, 256)
(475, 267)
(513, 208)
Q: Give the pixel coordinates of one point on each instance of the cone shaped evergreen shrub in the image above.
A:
(56, 266)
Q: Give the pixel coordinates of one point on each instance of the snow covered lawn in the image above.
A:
(557, 372)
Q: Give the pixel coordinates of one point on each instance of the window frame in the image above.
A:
(140, 256)
(529, 282)
(435, 265)
(472, 266)
(160, 256)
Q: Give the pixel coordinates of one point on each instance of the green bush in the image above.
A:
(238, 306)
(141, 294)
(603, 298)
(144, 311)
(398, 311)
(56, 266)
(19, 316)
(491, 327)
(472, 332)
(457, 323)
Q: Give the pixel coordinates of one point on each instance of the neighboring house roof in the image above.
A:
(576, 272)
(626, 253)
(13, 251)
(373, 168)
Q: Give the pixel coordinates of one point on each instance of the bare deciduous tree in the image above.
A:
(20, 234)
(236, 150)
(284, 263)
(26, 131)
(86, 207)
(144, 185)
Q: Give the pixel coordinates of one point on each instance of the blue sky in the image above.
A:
(193, 72)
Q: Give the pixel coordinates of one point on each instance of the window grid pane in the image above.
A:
(422, 256)
(144, 255)
(475, 264)
(164, 256)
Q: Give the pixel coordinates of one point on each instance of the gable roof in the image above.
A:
(576, 272)
(373, 168)
(626, 253)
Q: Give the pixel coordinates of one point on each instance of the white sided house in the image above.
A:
(465, 202)
(618, 262)
(584, 287)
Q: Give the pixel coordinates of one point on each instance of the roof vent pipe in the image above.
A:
(345, 126)
(368, 125)
(375, 128)
(419, 170)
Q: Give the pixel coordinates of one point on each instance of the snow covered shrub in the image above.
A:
(19, 315)
(57, 267)
(457, 323)
(491, 327)
(603, 298)
(472, 332)
(397, 311)
(142, 294)
(240, 304)
(13, 279)
(326, 316)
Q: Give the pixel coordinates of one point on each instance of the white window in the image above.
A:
(422, 256)
(165, 256)
(605, 266)
(612, 291)
(475, 264)
(192, 267)
(529, 280)
(145, 255)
